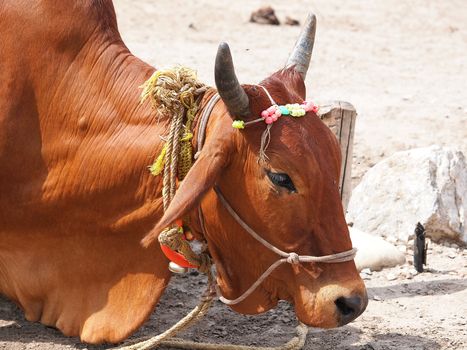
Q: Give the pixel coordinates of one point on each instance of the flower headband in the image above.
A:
(272, 114)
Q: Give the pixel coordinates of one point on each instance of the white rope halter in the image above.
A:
(292, 257)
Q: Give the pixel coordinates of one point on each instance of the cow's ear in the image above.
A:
(201, 177)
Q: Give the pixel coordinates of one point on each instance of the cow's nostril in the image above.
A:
(344, 307)
(349, 308)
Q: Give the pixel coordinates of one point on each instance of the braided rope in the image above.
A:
(195, 315)
(295, 343)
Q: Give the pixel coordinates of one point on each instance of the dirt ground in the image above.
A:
(403, 64)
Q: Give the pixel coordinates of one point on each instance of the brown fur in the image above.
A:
(76, 197)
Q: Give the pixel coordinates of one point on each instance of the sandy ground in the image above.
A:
(403, 64)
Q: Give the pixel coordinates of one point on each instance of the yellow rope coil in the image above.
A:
(173, 92)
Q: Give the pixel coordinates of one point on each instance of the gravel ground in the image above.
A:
(425, 311)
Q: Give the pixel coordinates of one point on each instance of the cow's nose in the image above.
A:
(350, 308)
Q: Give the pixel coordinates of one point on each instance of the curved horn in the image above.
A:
(227, 83)
(301, 54)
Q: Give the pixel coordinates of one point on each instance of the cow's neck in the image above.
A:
(97, 139)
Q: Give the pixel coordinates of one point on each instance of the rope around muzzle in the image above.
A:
(291, 258)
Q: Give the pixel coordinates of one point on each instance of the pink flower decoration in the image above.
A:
(308, 106)
(271, 114)
(271, 109)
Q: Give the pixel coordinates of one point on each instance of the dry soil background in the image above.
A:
(403, 64)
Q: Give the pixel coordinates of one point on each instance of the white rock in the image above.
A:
(409, 272)
(391, 276)
(402, 248)
(374, 252)
(427, 185)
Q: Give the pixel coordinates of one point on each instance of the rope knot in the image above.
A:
(293, 258)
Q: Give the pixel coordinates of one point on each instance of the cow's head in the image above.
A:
(292, 199)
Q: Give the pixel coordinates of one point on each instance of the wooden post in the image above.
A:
(340, 117)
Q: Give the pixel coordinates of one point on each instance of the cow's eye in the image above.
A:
(282, 180)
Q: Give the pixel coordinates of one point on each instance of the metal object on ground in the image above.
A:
(419, 248)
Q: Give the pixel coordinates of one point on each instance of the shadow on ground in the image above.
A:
(413, 289)
(350, 338)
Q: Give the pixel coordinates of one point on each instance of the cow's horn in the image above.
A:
(301, 54)
(227, 83)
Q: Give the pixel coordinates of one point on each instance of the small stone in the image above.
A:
(391, 276)
(374, 252)
(410, 273)
(264, 15)
(452, 255)
(367, 271)
(377, 298)
(291, 21)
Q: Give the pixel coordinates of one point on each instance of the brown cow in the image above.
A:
(76, 197)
